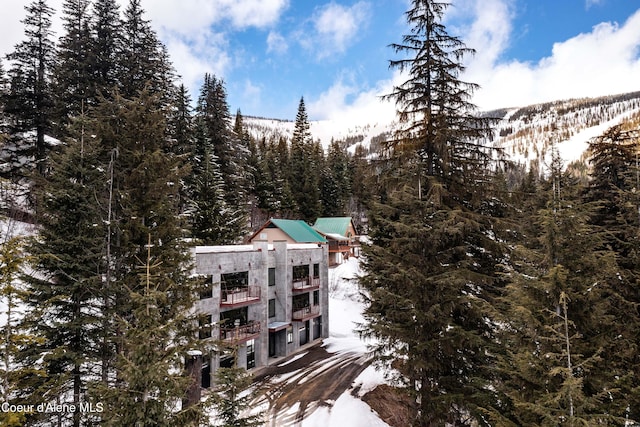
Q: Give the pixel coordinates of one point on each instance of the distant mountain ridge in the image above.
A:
(524, 133)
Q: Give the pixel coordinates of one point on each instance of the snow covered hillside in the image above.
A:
(525, 133)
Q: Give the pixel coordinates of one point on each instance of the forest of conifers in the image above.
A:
(497, 296)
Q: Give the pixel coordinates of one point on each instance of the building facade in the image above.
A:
(342, 238)
(260, 302)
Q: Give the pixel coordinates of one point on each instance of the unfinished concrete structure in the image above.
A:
(260, 302)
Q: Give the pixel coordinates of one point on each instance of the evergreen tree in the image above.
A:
(361, 182)
(335, 186)
(29, 100)
(232, 400)
(213, 222)
(613, 187)
(106, 45)
(281, 177)
(182, 138)
(12, 261)
(219, 141)
(330, 194)
(64, 293)
(304, 172)
(143, 58)
(72, 77)
(3, 98)
(148, 227)
(151, 388)
(181, 124)
(561, 317)
(433, 262)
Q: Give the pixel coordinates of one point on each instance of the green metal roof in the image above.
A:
(298, 230)
(337, 225)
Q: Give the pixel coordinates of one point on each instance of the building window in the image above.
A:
(289, 335)
(251, 354)
(235, 280)
(206, 288)
(300, 301)
(206, 372)
(300, 272)
(316, 270)
(316, 297)
(204, 329)
(272, 277)
(272, 307)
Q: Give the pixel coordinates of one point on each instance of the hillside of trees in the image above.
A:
(498, 293)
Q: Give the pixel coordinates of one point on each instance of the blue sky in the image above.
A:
(335, 53)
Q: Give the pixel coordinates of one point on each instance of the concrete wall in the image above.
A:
(256, 259)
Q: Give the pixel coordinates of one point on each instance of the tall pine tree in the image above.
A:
(29, 100)
(72, 77)
(151, 291)
(305, 168)
(66, 287)
(431, 267)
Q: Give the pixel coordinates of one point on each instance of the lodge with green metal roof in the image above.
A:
(288, 230)
(341, 235)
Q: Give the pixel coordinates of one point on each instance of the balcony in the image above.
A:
(241, 333)
(306, 313)
(237, 297)
(306, 284)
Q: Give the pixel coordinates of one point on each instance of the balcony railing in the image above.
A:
(240, 333)
(306, 283)
(239, 296)
(306, 312)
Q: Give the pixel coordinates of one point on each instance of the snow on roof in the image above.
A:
(250, 248)
(224, 248)
(336, 236)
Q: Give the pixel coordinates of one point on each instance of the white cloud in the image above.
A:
(254, 13)
(346, 104)
(195, 38)
(336, 27)
(601, 62)
(191, 16)
(194, 57)
(251, 95)
(276, 43)
(589, 3)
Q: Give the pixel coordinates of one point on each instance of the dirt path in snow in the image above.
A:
(293, 390)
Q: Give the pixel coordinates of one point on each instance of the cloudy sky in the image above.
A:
(335, 52)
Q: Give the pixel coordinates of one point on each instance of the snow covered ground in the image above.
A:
(345, 313)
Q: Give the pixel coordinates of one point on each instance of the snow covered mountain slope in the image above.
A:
(525, 133)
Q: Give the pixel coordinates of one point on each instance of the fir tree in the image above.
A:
(29, 100)
(181, 123)
(219, 141)
(64, 294)
(561, 319)
(304, 172)
(146, 183)
(432, 265)
(231, 400)
(72, 77)
(151, 387)
(182, 137)
(613, 187)
(106, 45)
(12, 261)
(143, 62)
(213, 222)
